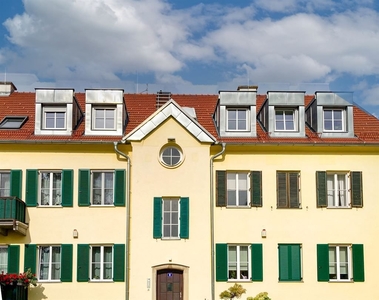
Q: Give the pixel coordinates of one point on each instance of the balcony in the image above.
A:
(12, 215)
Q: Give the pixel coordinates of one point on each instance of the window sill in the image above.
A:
(239, 280)
(100, 280)
(341, 281)
(338, 207)
(48, 281)
(50, 206)
(238, 207)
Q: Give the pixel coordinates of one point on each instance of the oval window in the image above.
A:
(171, 156)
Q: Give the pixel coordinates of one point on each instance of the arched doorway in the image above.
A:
(169, 284)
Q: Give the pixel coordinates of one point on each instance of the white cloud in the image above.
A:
(91, 42)
(371, 95)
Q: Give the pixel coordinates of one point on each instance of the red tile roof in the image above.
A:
(141, 106)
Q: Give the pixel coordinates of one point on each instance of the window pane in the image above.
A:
(3, 259)
(231, 188)
(107, 263)
(289, 120)
(96, 262)
(244, 262)
(344, 274)
(56, 263)
(330, 187)
(57, 188)
(60, 120)
(332, 263)
(5, 184)
(45, 188)
(44, 263)
(232, 262)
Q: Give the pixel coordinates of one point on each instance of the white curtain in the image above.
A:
(3, 259)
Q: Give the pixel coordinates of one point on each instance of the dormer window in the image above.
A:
(330, 114)
(235, 113)
(334, 120)
(237, 119)
(282, 114)
(57, 112)
(105, 112)
(285, 119)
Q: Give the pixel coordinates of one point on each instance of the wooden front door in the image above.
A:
(169, 284)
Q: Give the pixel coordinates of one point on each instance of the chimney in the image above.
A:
(252, 88)
(162, 98)
(7, 88)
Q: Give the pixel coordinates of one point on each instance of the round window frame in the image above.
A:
(169, 146)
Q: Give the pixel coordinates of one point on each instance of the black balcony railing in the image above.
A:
(12, 208)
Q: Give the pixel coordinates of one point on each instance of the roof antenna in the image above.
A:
(146, 90)
(137, 82)
(248, 78)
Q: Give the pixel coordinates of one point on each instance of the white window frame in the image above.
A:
(4, 259)
(102, 263)
(238, 273)
(236, 121)
(53, 109)
(167, 156)
(50, 188)
(170, 218)
(338, 263)
(5, 191)
(96, 108)
(51, 264)
(335, 192)
(102, 189)
(343, 119)
(294, 118)
(236, 177)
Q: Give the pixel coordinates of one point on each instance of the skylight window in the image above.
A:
(12, 122)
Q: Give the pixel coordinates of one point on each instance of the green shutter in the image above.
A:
(220, 188)
(157, 222)
(83, 263)
(16, 183)
(119, 188)
(31, 187)
(256, 262)
(13, 259)
(358, 263)
(289, 263)
(67, 188)
(184, 218)
(256, 188)
(321, 190)
(322, 262)
(293, 179)
(30, 257)
(221, 262)
(84, 188)
(356, 189)
(281, 179)
(119, 262)
(66, 263)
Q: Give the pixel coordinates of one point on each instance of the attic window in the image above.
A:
(171, 156)
(12, 122)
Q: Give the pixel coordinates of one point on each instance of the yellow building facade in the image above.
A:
(106, 195)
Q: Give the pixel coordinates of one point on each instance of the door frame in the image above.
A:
(155, 270)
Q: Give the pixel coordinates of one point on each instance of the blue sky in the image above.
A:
(193, 46)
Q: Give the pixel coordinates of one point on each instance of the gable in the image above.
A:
(170, 109)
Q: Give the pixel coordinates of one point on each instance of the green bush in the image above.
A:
(260, 296)
(234, 291)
